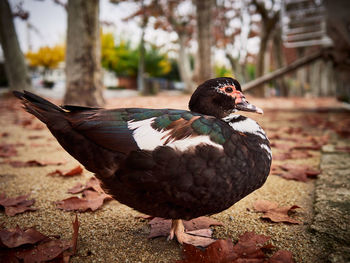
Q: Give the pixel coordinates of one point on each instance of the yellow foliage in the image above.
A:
(165, 66)
(47, 57)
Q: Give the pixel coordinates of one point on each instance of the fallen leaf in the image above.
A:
(4, 134)
(34, 137)
(220, 251)
(16, 205)
(282, 256)
(298, 172)
(16, 237)
(91, 200)
(161, 226)
(78, 170)
(345, 149)
(45, 249)
(7, 150)
(315, 147)
(249, 249)
(93, 183)
(34, 163)
(76, 225)
(275, 213)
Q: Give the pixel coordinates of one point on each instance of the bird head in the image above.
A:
(220, 97)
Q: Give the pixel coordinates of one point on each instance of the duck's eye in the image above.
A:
(228, 89)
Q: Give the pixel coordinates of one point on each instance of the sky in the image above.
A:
(49, 21)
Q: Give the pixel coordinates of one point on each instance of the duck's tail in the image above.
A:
(39, 107)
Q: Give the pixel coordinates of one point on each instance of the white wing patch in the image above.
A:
(148, 138)
(246, 125)
(268, 149)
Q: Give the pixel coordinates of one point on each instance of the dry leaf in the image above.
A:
(7, 150)
(47, 248)
(282, 256)
(93, 183)
(275, 213)
(33, 163)
(16, 205)
(78, 170)
(16, 237)
(249, 249)
(45, 251)
(298, 172)
(90, 200)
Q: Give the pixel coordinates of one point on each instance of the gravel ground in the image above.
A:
(113, 233)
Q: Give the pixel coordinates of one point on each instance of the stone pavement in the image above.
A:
(332, 205)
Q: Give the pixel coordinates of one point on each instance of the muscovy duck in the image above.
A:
(168, 163)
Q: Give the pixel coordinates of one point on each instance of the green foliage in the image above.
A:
(222, 71)
(251, 69)
(123, 59)
(120, 58)
(174, 73)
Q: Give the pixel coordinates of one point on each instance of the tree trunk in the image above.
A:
(184, 65)
(279, 58)
(16, 68)
(141, 70)
(204, 26)
(83, 55)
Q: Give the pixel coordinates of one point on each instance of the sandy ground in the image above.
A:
(113, 233)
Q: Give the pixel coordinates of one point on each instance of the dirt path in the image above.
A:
(113, 233)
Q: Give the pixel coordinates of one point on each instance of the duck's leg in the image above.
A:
(178, 230)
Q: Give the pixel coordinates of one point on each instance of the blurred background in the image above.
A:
(87, 51)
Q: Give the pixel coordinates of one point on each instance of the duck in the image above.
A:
(170, 163)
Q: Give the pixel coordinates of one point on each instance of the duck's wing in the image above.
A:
(130, 129)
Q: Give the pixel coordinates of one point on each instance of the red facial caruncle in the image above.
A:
(230, 90)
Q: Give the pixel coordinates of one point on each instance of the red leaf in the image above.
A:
(75, 171)
(34, 163)
(45, 251)
(274, 213)
(17, 205)
(282, 256)
(91, 200)
(16, 237)
(220, 251)
(76, 225)
(7, 150)
(298, 172)
(248, 249)
(93, 184)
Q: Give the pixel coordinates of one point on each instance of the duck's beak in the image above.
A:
(244, 105)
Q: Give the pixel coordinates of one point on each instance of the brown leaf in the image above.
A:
(16, 237)
(78, 170)
(282, 256)
(4, 134)
(90, 200)
(45, 251)
(16, 205)
(274, 213)
(220, 251)
(93, 184)
(298, 172)
(161, 226)
(76, 225)
(34, 137)
(34, 163)
(7, 150)
(248, 249)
